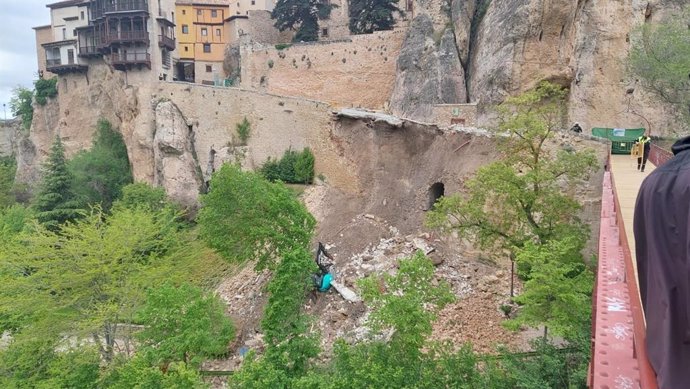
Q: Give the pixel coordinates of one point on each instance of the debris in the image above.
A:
(420, 244)
(347, 293)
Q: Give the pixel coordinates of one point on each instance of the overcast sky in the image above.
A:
(18, 64)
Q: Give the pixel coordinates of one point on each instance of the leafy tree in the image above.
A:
(13, 219)
(245, 217)
(183, 324)
(294, 167)
(139, 373)
(660, 59)
(101, 172)
(367, 16)
(142, 195)
(301, 15)
(8, 168)
(55, 202)
(90, 276)
(520, 206)
(21, 105)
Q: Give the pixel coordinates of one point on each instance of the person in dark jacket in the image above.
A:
(644, 140)
(662, 241)
(576, 128)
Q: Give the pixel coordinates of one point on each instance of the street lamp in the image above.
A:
(4, 111)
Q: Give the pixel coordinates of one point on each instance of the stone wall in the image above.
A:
(357, 72)
(461, 114)
(257, 26)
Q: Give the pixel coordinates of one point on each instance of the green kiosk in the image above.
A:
(622, 139)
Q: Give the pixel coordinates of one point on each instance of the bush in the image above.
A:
(8, 168)
(45, 88)
(20, 104)
(243, 129)
(294, 167)
(282, 46)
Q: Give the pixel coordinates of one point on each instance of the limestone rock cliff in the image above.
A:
(176, 168)
(429, 72)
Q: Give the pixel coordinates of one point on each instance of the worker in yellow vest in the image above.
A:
(644, 144)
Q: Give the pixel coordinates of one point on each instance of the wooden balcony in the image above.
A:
(123, 37)
(129, 60)
(167, 42)
(89, 51)
(126, 6)
(56, 66)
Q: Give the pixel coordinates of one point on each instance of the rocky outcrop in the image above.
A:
(462, 15)
(176, 168)
(428, 72)
(9, 134)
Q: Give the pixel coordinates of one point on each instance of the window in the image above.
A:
(207, 47)
(186, 48)
(209, 69)
(253, 2)
(217, 31)
(82, 15)
(324, 32)
(184, 12)
(185, 29)
(64, 34)
(198, 12)
(74, 32)
(214, 13)
(204, 31)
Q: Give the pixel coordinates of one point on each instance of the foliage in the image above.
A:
(294, 167)
(45, 88)
(283, 46)
(284, 326)
(55, 202)
(183, 324)
(90, 276)
(142, 195)
(245, 217)
(8, 168)
(367, 16)
(139, 373)
(404, 301)
(522, 206)
(558, 291)
(660, 59)
(21, 105)
(101, 172)
(244, 128)
(301, 15)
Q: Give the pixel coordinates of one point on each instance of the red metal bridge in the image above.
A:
(619, 355)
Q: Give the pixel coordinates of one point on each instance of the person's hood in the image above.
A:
(681, 145)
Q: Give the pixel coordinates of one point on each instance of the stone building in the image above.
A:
(58, 47)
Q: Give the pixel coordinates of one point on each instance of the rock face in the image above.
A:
(429, 72)
(9, 133)
(175, 165)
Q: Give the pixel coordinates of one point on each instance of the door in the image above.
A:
(70, 56)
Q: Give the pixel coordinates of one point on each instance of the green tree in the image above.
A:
(139, 373)
(294, 167)
(243, 130)
(521, 204)
(45, 88)
(367, 16)
(660, 59)
(55, 202)
(301, 15)
(101, 172)
(21, 105)
(183, 324)
(90, 276)
(244, 217)
(8, 168)
(143, 195)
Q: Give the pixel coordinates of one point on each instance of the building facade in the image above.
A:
(137, 36)
(61, 52)
(242, 7)
(202, 37)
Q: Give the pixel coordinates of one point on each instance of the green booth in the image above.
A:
(622, 139)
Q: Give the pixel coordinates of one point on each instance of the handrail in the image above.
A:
(659, 156)
(647, 374)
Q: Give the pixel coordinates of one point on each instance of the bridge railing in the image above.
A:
(611, 298)
(659, 156)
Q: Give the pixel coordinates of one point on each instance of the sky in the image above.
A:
(18, 63)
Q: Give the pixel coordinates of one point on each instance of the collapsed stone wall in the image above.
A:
(357, 72)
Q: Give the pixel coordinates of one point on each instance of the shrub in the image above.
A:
(294, 167)
(45, 88)
(243, 130)
(282, 46)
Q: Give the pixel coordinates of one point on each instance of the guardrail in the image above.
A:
(617, 348)
(659, 156)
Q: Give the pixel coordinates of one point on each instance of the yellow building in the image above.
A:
(201, 38)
